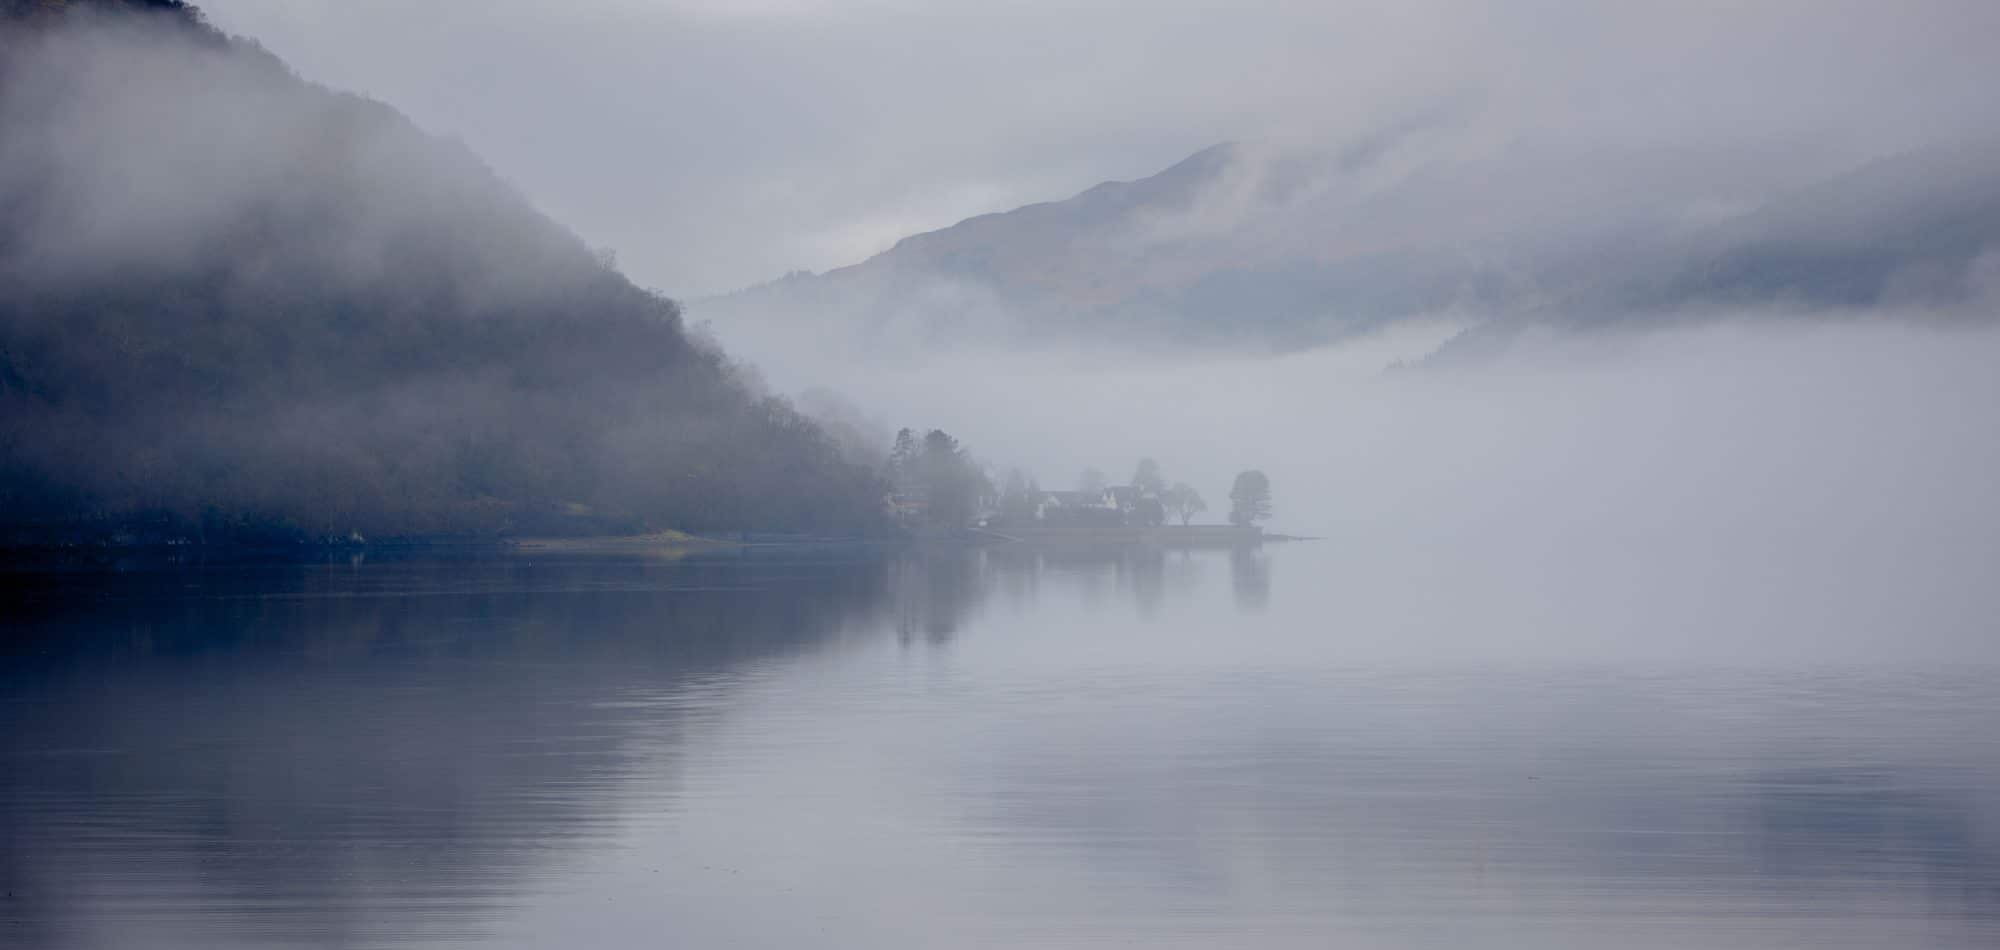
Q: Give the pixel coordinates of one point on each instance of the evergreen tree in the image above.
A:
(903, 462)
(1250, 499)
(948, 480)
(1019, 497)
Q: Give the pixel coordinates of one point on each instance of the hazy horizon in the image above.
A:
(811, 134)
(389, 558)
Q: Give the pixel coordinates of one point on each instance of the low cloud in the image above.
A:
(718, 145)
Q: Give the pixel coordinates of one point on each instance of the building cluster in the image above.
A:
(1127, 505)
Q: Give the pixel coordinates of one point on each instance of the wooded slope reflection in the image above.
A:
(353, 752)
(1004, 746)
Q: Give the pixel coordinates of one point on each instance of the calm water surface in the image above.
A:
(1294, 747)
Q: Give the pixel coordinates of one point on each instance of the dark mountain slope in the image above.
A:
(235, 301)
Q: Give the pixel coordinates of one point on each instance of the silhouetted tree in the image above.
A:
(1019, 497)
(1091, 481)
(1147, 479)
(903, 462)
(1183, 502)
(951, 484)
(1250, 498)
(1149, 512)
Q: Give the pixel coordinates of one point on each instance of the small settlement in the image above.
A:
(937, 489)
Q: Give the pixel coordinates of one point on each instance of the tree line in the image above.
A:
(935, 481)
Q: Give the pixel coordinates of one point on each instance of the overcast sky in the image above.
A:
(718, 143)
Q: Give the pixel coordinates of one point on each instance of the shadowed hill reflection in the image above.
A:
(1056, 746)
(367, 751)
(345, 753)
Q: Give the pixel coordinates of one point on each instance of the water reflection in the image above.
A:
(1110, 744)
(358, 753)
(1250, 576)
(1575, 808)
(934, 593)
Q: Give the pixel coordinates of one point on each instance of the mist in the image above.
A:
(813, 134)
(720, 473)
(1754, 486)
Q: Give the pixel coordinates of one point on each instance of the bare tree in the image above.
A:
(1184, 502)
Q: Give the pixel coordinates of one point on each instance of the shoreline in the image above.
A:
(660, 543)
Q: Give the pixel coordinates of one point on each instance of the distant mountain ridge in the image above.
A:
(1235, 245)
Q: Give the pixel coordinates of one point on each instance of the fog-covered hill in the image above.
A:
(1915, 228)
(1285, 248)
(236, 303)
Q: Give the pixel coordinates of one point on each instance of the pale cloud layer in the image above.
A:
(714, 144)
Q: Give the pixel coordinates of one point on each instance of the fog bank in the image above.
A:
(1768, 466)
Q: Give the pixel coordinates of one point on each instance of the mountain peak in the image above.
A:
(1094, 208)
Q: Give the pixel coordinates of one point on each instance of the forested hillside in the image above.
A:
(237, 305)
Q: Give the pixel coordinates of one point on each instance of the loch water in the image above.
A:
(1300, 745)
